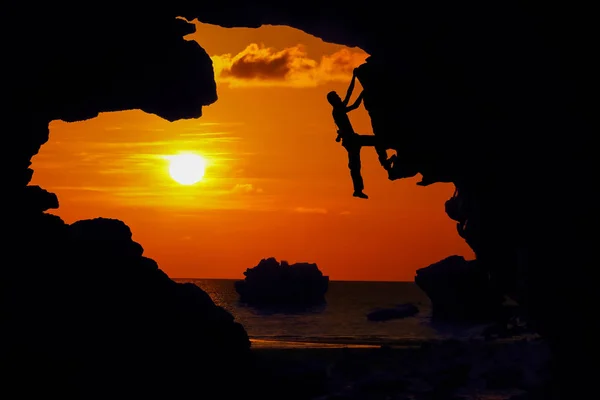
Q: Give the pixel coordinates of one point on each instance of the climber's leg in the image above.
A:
(354, 165)
(365, 140)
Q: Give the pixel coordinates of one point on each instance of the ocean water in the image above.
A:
(343, 320)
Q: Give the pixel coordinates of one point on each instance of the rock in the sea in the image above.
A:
(400, 311)
(459, 290)
(272, 283)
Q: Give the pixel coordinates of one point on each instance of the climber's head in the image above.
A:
(333, 98)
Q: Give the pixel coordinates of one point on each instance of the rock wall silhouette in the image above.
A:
(499, 102)
(89, 316)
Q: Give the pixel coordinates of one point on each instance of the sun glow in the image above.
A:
(187, 168)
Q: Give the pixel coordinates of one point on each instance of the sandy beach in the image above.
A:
(447, 370)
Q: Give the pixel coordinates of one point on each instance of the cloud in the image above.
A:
(257, 65)
(310, 210)
(246, 188)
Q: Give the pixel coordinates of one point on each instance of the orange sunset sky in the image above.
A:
(277, 184)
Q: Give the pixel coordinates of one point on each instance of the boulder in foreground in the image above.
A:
(86, 315)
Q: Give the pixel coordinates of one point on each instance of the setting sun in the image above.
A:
(187, 169)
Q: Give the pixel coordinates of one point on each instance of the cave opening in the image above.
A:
(529, 83)
(269, 142)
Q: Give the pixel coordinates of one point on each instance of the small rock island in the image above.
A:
(271, 283)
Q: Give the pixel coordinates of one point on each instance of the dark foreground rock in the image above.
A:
(88, 316)
(434, 371)
(271, 283)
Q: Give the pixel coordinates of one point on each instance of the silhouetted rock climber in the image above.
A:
(352, 141)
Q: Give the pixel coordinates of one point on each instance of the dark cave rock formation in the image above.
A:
(498, 102)
(111, 321)
(271, 283)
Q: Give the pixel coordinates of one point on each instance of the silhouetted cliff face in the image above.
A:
(499, 100)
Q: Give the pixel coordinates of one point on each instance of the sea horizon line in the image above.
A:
(330, 280)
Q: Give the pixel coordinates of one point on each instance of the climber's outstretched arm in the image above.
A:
(350, 89)
(356, 103)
